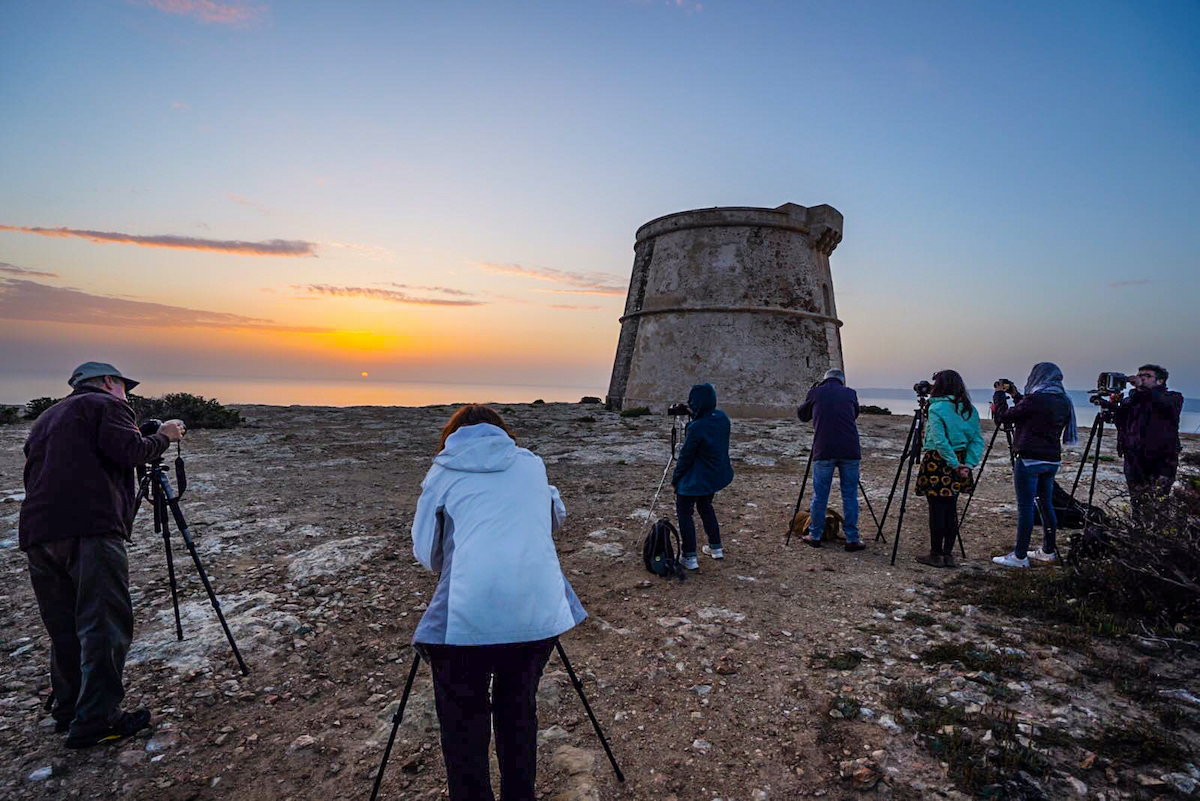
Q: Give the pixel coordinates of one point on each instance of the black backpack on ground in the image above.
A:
(662, 549)
(1069, 512)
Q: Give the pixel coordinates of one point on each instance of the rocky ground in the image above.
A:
(781, 672)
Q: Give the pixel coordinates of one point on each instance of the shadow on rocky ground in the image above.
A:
(777, 673)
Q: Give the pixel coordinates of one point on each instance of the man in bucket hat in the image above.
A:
(78, 512)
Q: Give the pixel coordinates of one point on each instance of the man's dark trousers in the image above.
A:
(82, 590)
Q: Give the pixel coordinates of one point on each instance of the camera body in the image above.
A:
(150, 427)
(1112, 382)
(679, 409)
(922, 388)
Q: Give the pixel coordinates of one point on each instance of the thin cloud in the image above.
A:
(13, 269)
(241, 201)
(1133, 282)
(574, 308)
(371, 252)
(271, 247)
(29, 300)
(443, 289)
(578, 283)
(389, 295)
(227, 13)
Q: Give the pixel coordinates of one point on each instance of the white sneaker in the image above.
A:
(1042, 556)
(1011, 560)
(690, 562)
(715, 553)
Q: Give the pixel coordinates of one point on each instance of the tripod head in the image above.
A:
(150, 427)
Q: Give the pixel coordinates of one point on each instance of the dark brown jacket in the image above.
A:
(79, 469)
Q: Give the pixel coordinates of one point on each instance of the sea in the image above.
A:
(19, 389)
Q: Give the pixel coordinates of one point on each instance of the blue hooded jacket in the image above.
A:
(703, 466)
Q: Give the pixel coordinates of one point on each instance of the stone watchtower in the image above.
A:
(741, 298)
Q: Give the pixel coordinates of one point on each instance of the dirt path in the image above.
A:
(771, 674)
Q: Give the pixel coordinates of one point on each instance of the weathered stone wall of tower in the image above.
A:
(741, 298)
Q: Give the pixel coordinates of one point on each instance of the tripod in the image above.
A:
(804, 485)
(674, 437)
(1011, 459)
(1096, 434)
(575, 682)
(156, 485)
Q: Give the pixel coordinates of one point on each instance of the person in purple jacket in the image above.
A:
(833, 408)
(77, 513)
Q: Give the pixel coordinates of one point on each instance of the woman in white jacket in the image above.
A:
(484, 521)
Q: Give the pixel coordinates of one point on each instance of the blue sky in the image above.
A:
(1018, 180)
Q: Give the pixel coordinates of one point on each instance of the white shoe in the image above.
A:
(1011, 560)
(715, 553)
(690, 563)
(1042, 556)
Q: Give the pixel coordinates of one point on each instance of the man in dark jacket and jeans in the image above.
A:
(702, 470)
(77, 513)
(1148, 437)
(833, 407)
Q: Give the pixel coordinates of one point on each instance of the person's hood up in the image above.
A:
(1045, 377)
(481, 448)
(702, 399)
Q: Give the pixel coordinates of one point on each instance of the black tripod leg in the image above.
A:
(899, 469)
(161, 521)
(579, 689)
(1084, 456)
(867, 501)
(912, 460)
(975, 483)
(1095, 465)
(181, 524)
(803, 485)
(387, 752)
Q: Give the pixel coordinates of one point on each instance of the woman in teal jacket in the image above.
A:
(953, 446)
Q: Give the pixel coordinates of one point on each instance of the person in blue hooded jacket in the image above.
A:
(702, 470)
(484, 521)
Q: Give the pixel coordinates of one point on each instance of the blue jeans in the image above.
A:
(1034, 481)
(848, 471)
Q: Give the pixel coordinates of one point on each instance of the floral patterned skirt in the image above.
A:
(937, 479)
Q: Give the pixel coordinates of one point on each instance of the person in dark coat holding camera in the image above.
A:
(1148, 437)
(77, 513)
(702, 469)
(833, 408)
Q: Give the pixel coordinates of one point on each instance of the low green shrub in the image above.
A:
(636, 411)
(9, 414)
(868, 409)
(34, 409)
(194, 410)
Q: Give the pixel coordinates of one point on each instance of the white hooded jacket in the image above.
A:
(485, 520)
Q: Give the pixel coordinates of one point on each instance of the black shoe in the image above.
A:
(933, 560)
(128, 724)
(61, 726)
(948, 559)
(855, 546)
(808, 540)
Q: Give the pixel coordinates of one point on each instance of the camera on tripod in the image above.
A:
(922, 388)
(679, 409)
(1112, 382)
(150, 426)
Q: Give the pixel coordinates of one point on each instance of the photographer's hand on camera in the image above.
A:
(173, 430)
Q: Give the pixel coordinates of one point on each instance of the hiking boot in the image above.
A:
(690, 562)
(1042, 556)
(857, 545)
(128, 724)
(1011, 560)
(807, 539)
(948, 559)
(715, 553)
(61, 726)
(932, 559)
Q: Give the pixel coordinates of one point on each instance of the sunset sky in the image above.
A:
(449, 191)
